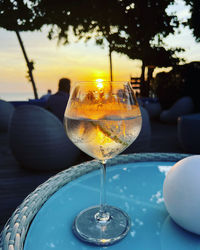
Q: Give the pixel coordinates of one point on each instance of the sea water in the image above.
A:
(24, 96)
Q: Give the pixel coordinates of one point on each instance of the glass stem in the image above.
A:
(103, 216)
(103, 187)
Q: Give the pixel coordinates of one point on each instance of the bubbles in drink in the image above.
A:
(103, 138)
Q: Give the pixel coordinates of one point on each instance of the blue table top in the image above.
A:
(134, 187)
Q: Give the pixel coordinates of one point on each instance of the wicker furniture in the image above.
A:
(14, 233)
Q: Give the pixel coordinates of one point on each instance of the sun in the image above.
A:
(99, 83)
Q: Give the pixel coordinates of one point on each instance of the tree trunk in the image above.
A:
(143, 72)
(110, 60)
(149, 78)
(144, 91)
(29, 65)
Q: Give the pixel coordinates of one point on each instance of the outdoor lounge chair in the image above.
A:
(38, 140)
(6, 112)
(189, 133)
(182, 106)
(142, 142)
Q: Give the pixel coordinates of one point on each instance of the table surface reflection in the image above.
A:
(134, 187)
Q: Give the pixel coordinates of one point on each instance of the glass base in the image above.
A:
(87, 228)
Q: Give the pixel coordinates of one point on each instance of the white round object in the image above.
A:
(181, 192)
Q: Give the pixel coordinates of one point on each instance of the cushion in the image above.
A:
(142, 142)
(6, 112)
(38, 140)
(189, 133)
(182, 106)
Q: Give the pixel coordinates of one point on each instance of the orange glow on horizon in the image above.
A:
(100, 75)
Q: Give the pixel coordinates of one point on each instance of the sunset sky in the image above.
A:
(77, 61)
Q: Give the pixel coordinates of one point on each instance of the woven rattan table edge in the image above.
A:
(14, 233)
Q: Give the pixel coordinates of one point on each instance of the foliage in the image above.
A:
(193, 21)
(180, 81)
(167, 89)
(17, 15)
(135, 28)
(147, 25)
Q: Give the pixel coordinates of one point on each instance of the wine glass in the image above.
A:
(102, 119)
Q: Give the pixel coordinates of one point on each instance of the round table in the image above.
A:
(134, 184)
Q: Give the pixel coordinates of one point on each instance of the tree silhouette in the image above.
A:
(135, 28)
(88, 19)
(18, 16)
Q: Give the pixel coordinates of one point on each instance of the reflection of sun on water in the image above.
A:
(99, 83)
